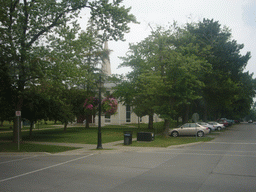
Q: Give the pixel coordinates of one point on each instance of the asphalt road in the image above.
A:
(225, 164)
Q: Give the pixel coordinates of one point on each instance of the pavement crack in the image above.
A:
(236, 175)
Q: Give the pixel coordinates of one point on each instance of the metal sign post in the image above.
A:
(18, 114)
(99, 145)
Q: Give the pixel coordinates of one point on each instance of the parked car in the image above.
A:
(211, 127)
(217, 125)
(237, 121)
(224, 122)
(189, 129)
(250, 121)
(230, 122)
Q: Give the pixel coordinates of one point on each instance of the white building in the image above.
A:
(124, 113)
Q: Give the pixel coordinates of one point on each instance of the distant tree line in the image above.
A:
(179, 71)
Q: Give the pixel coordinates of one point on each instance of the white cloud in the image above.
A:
(235, 14)
(249, 14)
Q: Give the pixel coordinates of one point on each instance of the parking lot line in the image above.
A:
(233, 143)
(18, 159)
(38, 170)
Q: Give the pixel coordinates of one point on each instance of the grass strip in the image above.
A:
(76, 135)
(29, 147)
(162, 141)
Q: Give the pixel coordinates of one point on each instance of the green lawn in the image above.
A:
(162, 141)
(79, 134)
(75, 135)
(7, 126)
(89, 136)
(27, 147)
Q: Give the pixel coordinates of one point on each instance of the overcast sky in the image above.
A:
(238, 15)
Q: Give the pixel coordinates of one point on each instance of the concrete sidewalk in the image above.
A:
(113, 147)
(85, 148)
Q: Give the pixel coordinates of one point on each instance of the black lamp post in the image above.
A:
(99, 145)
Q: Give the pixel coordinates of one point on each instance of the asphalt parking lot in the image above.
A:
(225, 164)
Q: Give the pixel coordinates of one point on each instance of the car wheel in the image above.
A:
(200, 134)
(219, 128)
(175, 134)
(210, 130)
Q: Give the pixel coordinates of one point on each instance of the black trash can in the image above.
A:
(145, 136)
(127, 137)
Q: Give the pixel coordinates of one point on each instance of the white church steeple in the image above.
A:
(106, 68)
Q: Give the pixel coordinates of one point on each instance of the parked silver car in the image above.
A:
(189, 129)
(217, 125)
(210, 126)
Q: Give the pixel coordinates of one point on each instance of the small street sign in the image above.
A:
(18, 113)
(195, 117)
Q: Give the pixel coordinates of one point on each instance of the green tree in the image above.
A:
(183, 65)
(60, 105)
(223, 83)
(243, 98)
(35, 107)
(7, 98)
(25, 24)
(165, 73)
(7, 90)
(77, 98)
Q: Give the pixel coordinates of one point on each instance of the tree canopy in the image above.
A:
(41, 40)
(183, 70)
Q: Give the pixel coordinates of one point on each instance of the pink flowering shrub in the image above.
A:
(109, 106)
(90, 106)
(91, 103)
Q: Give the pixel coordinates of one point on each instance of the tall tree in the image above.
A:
(165, 72)
(24, 24)
(7, 93)
(222, 84)
(35, 107)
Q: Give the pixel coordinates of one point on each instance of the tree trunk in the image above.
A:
(205, 116)
(150, 122)
(87, 123)
(186, 117)
(166, 127)
(65, 127)
(30, 129)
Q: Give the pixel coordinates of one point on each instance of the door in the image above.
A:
(193, 129)
(184, 129)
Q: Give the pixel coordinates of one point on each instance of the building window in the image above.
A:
(107, 119)
(128, 113)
